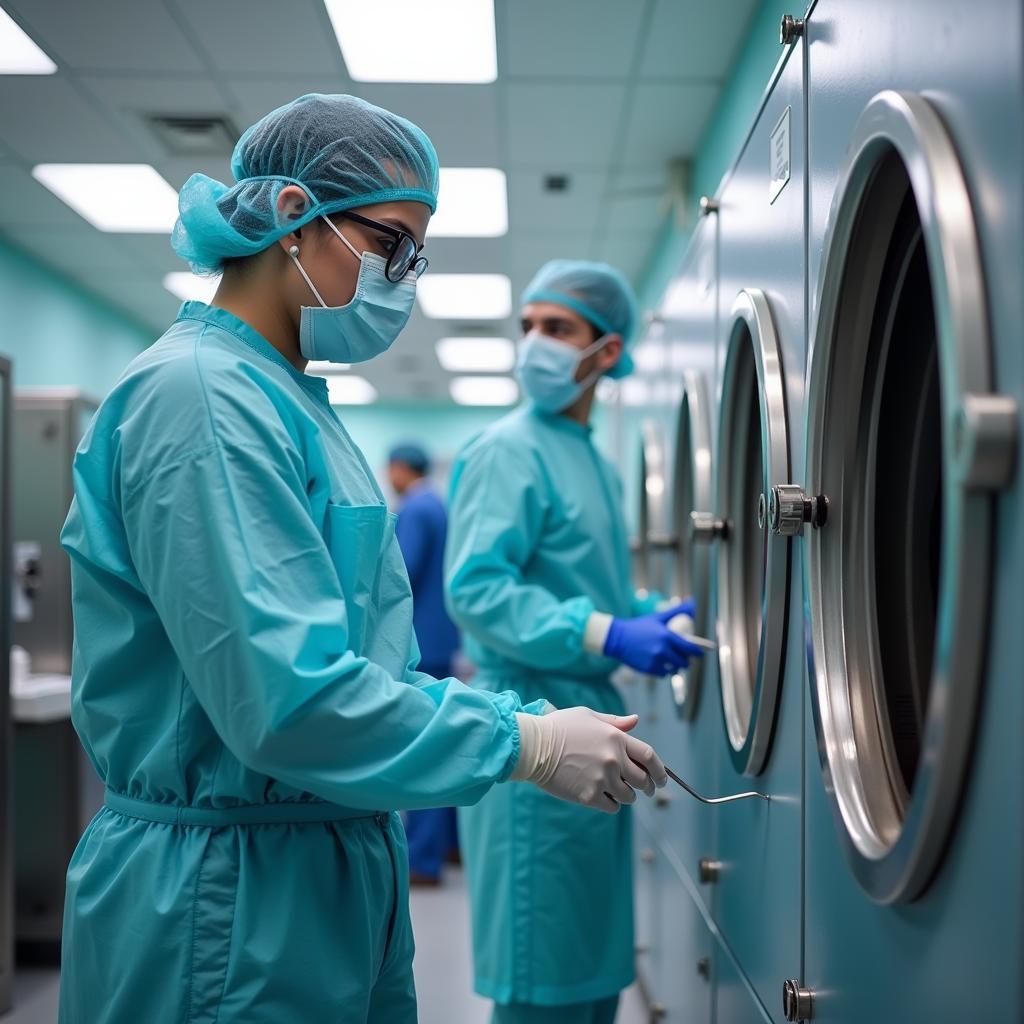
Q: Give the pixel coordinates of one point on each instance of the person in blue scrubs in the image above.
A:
(538, 578)
(422, 527)
(244, 676)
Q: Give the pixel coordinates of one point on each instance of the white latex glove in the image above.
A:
(587, 758)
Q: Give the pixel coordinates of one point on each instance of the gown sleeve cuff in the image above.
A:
(595, 633)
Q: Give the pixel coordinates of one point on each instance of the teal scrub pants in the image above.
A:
(225, 921)
(600, 1012)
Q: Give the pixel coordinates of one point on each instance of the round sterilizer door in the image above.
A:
(905, 443)
(751, 566)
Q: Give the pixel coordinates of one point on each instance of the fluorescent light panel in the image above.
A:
(465, 296)
(19, 55)
(114, 197)
(476, 355)
(187, 285)
(347, 390)
(472, 202)
(484, 390)
(416, 40)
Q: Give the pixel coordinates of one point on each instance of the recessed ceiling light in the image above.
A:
(415, 41)
(19, 55)
(465, 296)
(634, 391)
(114, 197)
(472, 202)
(322, 368)
(649, 357)
(484, 390)
(187, 285)
(476, 355)
(345, 390)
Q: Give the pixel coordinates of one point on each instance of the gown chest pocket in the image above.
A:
(357, 536)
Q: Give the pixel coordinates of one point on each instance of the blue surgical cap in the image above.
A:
(412, 455)
(342, 151)
(598, 292)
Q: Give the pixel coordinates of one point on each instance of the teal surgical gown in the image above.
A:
(244, 685)
(536, 543)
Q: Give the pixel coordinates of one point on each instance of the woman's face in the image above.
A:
(331, 265)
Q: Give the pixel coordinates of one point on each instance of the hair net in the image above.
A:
(343, 151)
(598, 292)
(411, 455)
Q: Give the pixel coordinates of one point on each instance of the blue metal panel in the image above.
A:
(686, 950)
(690, 746)
(759, 893)
(956, 952)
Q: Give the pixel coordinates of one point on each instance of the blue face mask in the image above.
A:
(546, 370)
(365, 326)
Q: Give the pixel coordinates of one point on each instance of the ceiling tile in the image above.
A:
(177, 170)
(666, 121)
(134, 98)
(239, 38)
(73, 250)
(636, 201)
(461, 255)
(532, 207)
(117, 35)
(533, 248)
(461, 120)
(48, 119)
(255, 95)
(155, 253)
(570, 38)
(684, 42)
(23, 201)
(558, 128)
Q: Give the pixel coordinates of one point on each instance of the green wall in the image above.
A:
(441, 429)
(57, 334)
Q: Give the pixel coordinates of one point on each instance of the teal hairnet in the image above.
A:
(343, 151)
(598, 292)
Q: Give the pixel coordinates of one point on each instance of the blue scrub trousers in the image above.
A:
(433, 833)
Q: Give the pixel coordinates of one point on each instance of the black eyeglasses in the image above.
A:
(403, 257)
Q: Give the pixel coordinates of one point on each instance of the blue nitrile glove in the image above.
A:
(647, 644)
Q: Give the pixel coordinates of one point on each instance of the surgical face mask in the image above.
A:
(364, 327)
(546, 370)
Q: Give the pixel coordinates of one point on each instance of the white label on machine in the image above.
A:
(26, 552)
(778, 157)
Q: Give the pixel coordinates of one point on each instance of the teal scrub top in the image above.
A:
(537, 542)
(244, 684)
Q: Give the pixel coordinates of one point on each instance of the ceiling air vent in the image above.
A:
(194, 135)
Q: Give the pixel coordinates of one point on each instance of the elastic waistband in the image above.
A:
(286, 812)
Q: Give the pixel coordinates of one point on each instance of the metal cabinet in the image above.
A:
(56, 790)
(760, 667)
(6, 733)
(914, 580)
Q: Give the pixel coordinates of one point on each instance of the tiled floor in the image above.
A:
(442, 967)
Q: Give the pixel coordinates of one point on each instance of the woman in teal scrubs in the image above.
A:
(244, 671)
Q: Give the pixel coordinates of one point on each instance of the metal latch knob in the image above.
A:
(797, 1002)
(790, 30)
(708, 205)
(787, 509)
(708, 870)
(706, 527)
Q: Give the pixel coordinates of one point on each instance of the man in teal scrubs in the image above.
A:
(538, 578)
